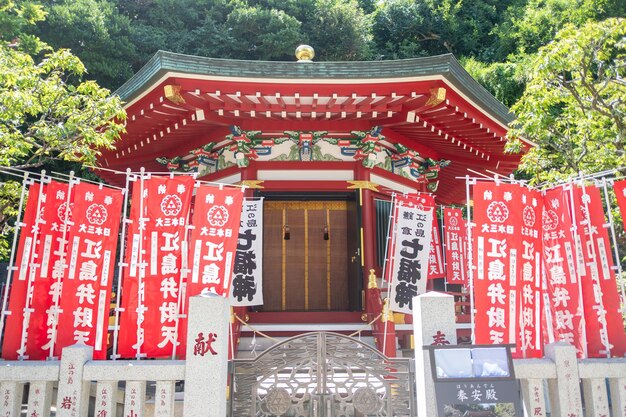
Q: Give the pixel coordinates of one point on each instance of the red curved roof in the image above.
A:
(440, 113)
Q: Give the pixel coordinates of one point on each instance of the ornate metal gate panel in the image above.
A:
(322, 375)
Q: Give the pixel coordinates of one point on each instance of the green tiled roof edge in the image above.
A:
(444, 65)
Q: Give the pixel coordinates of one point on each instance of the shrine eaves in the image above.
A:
(430, 118)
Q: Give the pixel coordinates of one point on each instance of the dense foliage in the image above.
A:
(574, 104)
(114, 38)
(513, 47)
(47, 112)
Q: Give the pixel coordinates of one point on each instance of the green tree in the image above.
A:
(528, 25)
(505, 80)
(248, 29)
(338, 30)
(95, 31)
(409, 28)
(47, 113)
(45, 116)
(262, 34)
(194, 27)
(574, 105)
(15, 19)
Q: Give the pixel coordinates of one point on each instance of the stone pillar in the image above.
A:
(135, 398)
(39, 398)
(106, 404)
(164, 398)
(596, 399)
(206, 365)
(11, 401)
(433, 324)
(565, 389)
(73, 394)
(534, 397)
(618, 396)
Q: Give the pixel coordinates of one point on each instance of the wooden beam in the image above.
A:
(262, 100)
(280, 101)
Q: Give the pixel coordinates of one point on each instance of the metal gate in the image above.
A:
(322, 375)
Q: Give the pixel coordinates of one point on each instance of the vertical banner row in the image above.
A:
(164, 268)
(66, 254)
(520, 231)
(64, 266)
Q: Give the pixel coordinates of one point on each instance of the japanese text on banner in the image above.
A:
(87, 285)
(496, 239)
(455, 228)
(24, 275)
(412, 238)
(562, 279)
(604, 328)
(247, 286)
(152, 280)
(52, 256)
(529, 270)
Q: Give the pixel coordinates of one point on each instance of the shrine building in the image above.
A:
(326, 145)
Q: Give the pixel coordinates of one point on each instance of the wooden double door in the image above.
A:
(311, 256)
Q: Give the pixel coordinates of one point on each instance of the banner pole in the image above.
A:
(614, 239)
(32, 269)
(470, 254)
(120, 266)
(390, 241)
(142, 270)
(444, 246)
(11, 267)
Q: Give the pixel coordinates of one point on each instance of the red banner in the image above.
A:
(455, 239)
(495, 252)
(213, 243)
(620, 194)
(529, 309)
(151, 285)
(435, 255)
(92, 243)
(603, 319)
(562, 280)
(22, 275)
(213, 240)
(52, 258)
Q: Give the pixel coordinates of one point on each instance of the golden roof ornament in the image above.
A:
(305, 53)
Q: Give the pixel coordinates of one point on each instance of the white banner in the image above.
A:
(247, 284)
(413, 233)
